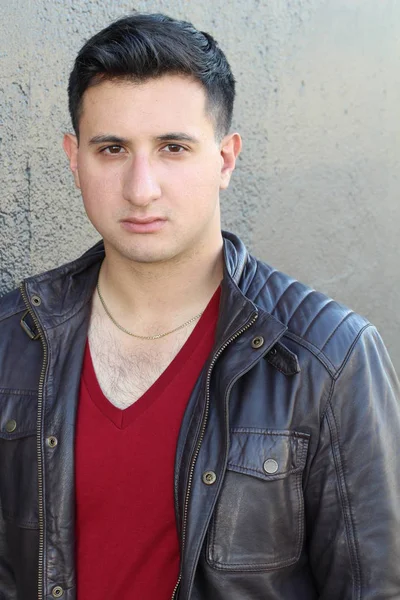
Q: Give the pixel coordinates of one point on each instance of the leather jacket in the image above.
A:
(286, 479)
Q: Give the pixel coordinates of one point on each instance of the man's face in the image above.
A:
(150, 167)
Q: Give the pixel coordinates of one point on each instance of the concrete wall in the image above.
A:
(317, 187)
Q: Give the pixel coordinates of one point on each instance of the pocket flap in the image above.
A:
(18, 414)
(267, 454)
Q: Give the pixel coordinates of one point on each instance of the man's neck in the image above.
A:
(169, 291)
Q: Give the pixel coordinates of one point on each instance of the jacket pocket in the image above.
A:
(18, 462)
(258, 522)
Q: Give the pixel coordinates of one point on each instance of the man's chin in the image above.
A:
(145, 256)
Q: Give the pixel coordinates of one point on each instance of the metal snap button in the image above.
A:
(209, 477)
(57, 592)
(52, 441)
(270, 466)
(11, 426)
(36, 301)
(273, 351)
(257, 342)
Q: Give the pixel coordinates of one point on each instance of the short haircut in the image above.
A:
(141, 47)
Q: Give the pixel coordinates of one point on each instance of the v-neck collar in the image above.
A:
(122, 418)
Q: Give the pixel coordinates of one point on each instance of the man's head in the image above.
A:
(152, 101)
(141, 47)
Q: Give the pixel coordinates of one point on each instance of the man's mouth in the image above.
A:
(143, 224)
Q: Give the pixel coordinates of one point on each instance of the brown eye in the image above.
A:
(174, 148)
(112, 150)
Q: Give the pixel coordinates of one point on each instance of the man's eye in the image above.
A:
(112, 150)
(174, 149)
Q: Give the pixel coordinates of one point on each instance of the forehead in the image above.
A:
(168, 103)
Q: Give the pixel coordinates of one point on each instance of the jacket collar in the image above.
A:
(66, 291)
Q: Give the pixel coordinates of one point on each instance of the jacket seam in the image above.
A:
(349, 314)
(12, 313)
(321, 356)
(287, 433)
(264, 476)
(335, 376)
(18, 392)
(268, 432)
(325, 405)
(339, 469)
(279, 299)
(61, 323)
(21, 434)
(262, 288)
(328, 302)
(13, 518)
(345, 501)
(300, 304)
(350, 350)
(314, 350)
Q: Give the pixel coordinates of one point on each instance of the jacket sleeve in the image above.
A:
(353, 489)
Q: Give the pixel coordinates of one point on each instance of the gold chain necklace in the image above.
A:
(143, 337)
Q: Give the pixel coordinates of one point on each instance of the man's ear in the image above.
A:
(70, 145)
(231, 146)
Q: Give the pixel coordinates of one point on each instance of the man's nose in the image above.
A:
(140, 186)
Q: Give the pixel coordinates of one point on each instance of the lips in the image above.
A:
(143, 225)
(144, 221)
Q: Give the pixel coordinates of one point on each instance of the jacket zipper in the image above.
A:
(39, 444)
(200, 440)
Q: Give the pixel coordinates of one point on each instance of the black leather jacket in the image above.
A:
(286, 482)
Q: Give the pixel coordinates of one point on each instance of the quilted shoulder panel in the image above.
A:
(329, 327)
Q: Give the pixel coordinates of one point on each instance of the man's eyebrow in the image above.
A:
(107, 139)
(177, 136)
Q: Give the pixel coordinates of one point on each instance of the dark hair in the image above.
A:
(145, 46)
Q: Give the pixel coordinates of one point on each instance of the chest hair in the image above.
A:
(127, 367)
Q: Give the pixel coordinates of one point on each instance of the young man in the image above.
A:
(177, 419)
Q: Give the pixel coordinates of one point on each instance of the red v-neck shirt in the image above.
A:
(126, 539)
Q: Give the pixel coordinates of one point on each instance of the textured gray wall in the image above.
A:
(316, 190)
